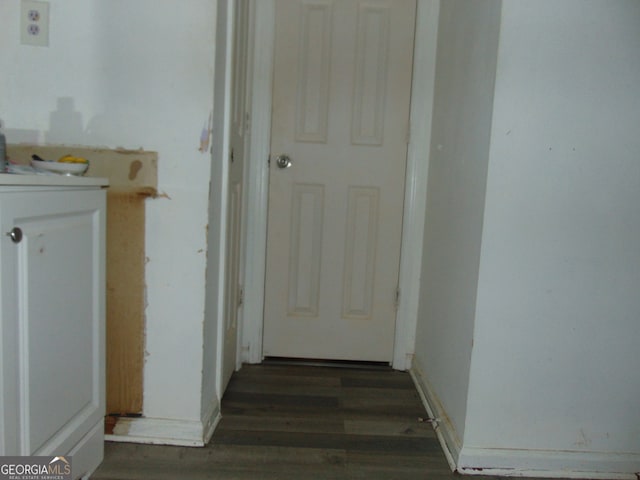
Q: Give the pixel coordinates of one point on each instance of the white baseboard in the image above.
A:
(520, 463)
(447, 436)
(548, 464)
(210, 420)
(160, 431)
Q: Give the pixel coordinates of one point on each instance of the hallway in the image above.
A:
(301, 422)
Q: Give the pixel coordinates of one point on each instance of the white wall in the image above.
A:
(136, 76)
(465, 72)
(537, 374)
(555, 362)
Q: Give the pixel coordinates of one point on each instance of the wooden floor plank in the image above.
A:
(282, 423)
(222, 462)
(349, 442)
(286, 377)
(289, 370)
(285, 400)
(389, 380)
(300, 386)
(389, 427)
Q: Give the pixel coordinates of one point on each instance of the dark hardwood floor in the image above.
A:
(301, 422)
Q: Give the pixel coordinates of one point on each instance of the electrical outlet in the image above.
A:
(34, 23)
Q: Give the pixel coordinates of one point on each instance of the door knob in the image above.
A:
(283, 161)
(15, 234)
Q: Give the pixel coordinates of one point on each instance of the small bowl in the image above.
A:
(62, 168)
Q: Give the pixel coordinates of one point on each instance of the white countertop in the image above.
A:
(14, 179)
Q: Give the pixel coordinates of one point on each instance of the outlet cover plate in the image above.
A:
(34, 23)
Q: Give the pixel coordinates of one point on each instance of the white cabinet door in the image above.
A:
(52, 292)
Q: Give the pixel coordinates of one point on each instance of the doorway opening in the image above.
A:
(257, 182)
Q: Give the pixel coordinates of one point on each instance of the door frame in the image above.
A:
(257, 187)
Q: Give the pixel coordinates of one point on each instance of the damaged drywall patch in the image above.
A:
(134, 168)
(125, 300)
(162, 195)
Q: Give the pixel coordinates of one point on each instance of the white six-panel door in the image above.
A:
(342, 76)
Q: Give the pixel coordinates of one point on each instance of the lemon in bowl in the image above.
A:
(66, 165)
